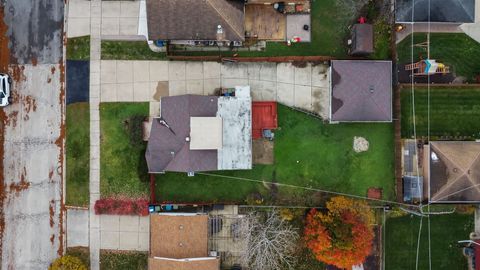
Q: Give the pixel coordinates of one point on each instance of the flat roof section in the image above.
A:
(361, 91)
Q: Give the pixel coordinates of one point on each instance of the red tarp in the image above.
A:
(264, 116)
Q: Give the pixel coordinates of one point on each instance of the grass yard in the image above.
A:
(78, 48)
(78, 154)
(453, 112)
(307, 153)
(129, 50)
(123, 260)
(458, 51)
(446, 230)
(123, 169)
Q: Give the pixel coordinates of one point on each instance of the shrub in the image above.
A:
(67, 262)
(114, 206)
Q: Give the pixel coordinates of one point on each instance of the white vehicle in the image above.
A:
(5, 84)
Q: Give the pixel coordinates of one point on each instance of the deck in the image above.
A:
(265, 23)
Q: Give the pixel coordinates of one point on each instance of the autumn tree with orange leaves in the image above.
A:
(341, 236)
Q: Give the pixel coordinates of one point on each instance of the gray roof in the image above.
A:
(169, 151)
(454, 171)
(195, 19)
(361, 91)
(412, 188)
(362, 39)
(454, 11)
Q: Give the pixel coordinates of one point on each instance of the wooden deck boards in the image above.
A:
(263, 22)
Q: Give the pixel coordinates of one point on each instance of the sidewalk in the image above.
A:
(119, 19)
(146, 81)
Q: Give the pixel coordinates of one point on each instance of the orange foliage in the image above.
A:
(343, 235)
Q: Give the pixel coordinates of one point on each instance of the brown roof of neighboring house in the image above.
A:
(178, 236)
(362, 39)
(454, 171)
(163, 264)
(361, 91)
(195, 19)
(169, 151)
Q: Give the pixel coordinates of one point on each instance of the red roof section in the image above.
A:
(477, 257)
(264, 116)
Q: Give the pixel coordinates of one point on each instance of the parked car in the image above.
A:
(5, 85)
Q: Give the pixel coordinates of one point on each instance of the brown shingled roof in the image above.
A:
(195, 19)
(455, 172)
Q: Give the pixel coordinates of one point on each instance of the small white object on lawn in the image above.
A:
(360, 144)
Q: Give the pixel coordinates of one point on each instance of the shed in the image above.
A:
(362, 39)
(412, 189)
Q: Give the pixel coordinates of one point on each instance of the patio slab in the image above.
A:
(234, 71)
(141, 71)
(303, 97)
(129, 223)
(109, 239)
(159, 70)
(194, 70)
(211, 70)
(295, 25)
(285, 93)
(176, 71)
(303, 75)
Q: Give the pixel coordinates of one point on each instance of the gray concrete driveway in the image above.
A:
(32, 129)
(305, 87)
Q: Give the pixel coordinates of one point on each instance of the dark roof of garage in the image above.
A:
(454, 11)
(361, 91)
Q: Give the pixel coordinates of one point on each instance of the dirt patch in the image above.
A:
(11, 119)
(262, 151)
(52, 212)
(162, 90)
(360, 144)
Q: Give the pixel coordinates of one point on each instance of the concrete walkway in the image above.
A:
(77, 227)
(95, 51)
(304, 87)
(119, 19)
(125, 232)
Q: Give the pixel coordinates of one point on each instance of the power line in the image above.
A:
(306, 188)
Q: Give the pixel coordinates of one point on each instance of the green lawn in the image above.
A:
(123, 169)
(453, 112)
(129, 50)
(307, 153)
(78, 155)
(78, 48)
(446, 230)
(123, 260)
(459, 51)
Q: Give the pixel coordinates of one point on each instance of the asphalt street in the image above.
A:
(32, 134)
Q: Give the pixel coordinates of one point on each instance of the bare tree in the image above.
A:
(270, 241)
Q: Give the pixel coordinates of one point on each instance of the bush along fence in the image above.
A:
(127, 207)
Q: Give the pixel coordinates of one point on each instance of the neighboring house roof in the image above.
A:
(180, 241)
(362, 39)
(195, 19)
(454, 11)
(361, 91)
(454, 171)
(175, 142)
(412, 188)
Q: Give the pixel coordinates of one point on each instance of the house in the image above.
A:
(435, 11)
(454, 172)
(227, 22)
(360, 91)
(180, 241)
(202, 133)
(362, 39)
